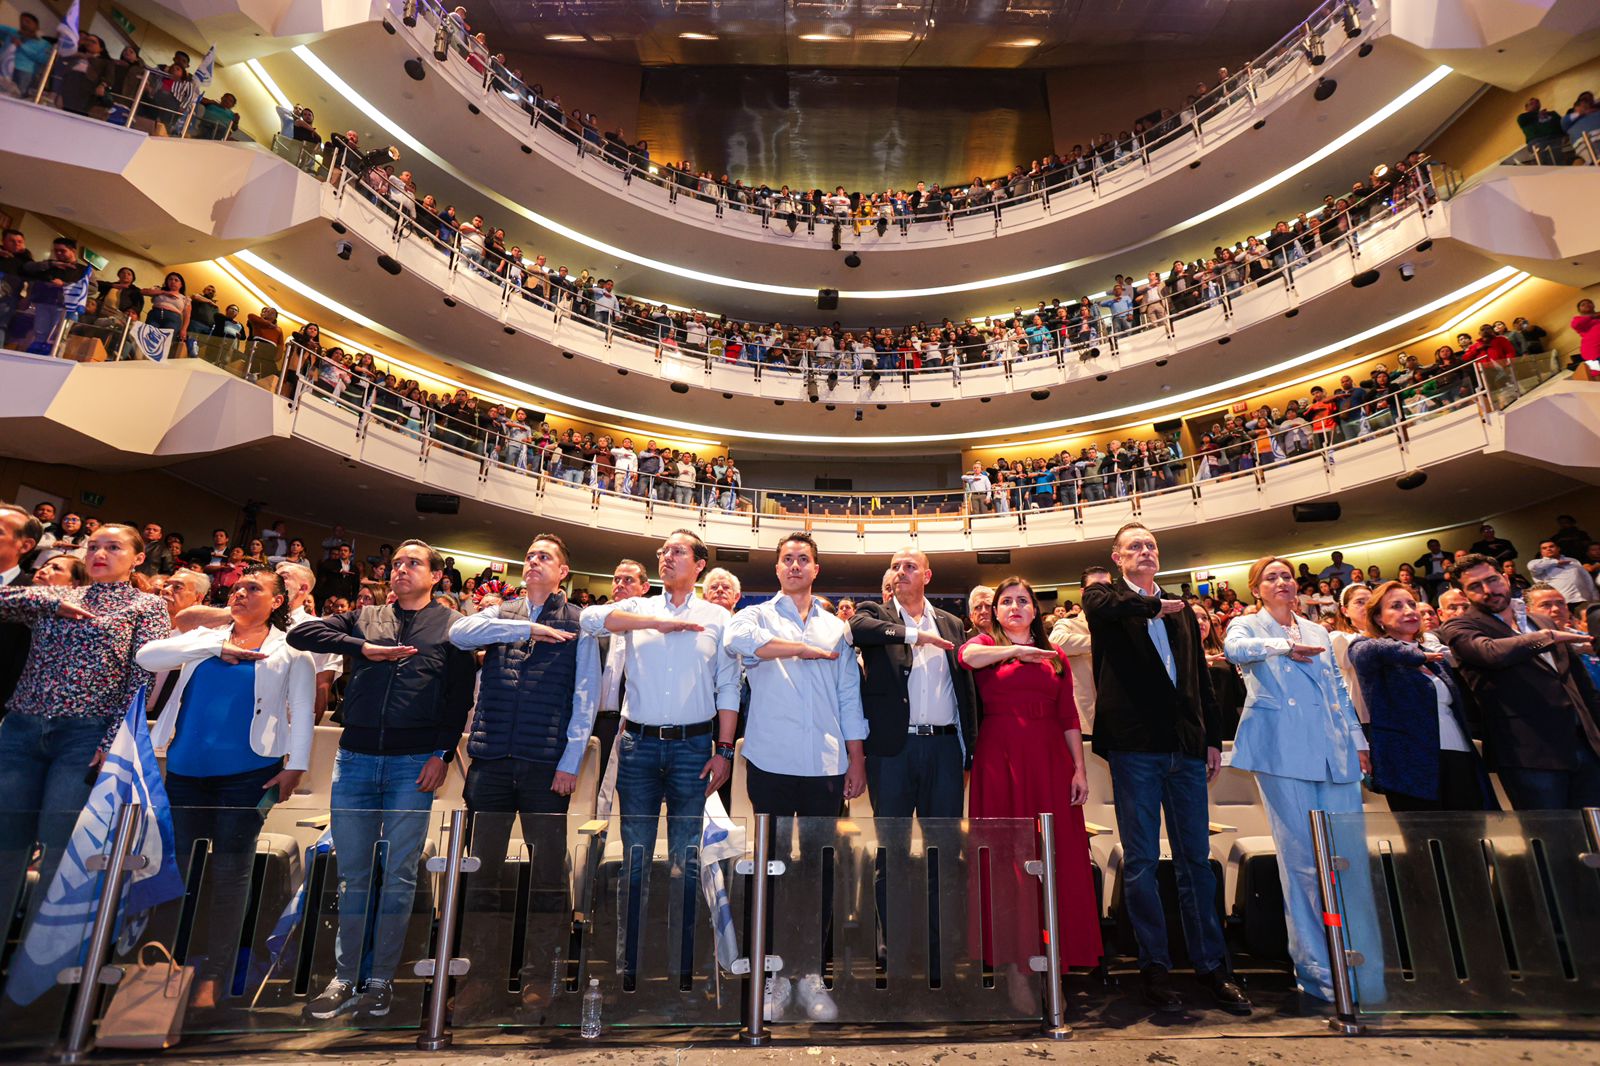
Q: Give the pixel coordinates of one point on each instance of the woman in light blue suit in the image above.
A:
(1300, 736)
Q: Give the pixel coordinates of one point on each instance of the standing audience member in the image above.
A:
(980, 610)
(19, 534)
(1030, 761)
(1071, 635)
(80, 677)
(1538, 706)
(1300, 737)
(628, 579)
(1564, 573)
(244, 700)
(404, 708)
(1158, 725)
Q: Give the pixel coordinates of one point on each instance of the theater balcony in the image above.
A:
(1521, 433)
(1400, 268)
(1506, 44)
(1536, 218)
(1272, 142)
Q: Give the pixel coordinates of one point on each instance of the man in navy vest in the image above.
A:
(536, 703)
(678, 716)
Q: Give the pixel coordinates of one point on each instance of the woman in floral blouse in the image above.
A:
(75, 688)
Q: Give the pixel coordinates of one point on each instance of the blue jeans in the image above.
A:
(1143, 783)
(375, 800)
(44, 783)
(1554, 790)
(649, 771)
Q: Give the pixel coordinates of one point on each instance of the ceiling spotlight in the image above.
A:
(697, 37)
(1352, 21)
(823, 38)
(885, 36)
(1312, 44)
(565, 38)
(1326, 87)
(1020, 42)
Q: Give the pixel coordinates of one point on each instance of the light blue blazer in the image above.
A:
(1297, 721)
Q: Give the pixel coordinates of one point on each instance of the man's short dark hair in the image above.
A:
(435, 560)
(1566, 518)
(9, 232)
(551, 538)
(1091, 571)
(800, 537)
(65, 242)
(224, 532)
(1116, 541)
(644, 575)
(1475, 559)
(702, 554)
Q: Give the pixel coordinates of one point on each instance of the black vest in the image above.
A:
(525, 690)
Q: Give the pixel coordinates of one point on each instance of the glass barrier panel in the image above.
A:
(40, 939)
(1491, 913)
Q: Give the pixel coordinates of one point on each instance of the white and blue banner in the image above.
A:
(67, 32)
(289, 922)
(720, 838)
(59, 933)
(152, 342)
(203, 72)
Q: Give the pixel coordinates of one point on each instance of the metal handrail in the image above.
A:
(1086, 339)
(1238, 97)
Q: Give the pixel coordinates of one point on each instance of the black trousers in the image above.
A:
(816, 801)
(1460, 788)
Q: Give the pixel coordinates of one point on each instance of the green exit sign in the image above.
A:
(124, 23)
(93, 499)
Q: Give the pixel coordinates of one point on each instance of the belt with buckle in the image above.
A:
(931, 730)
(671, 732)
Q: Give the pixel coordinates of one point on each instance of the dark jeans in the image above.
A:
(649, 771)
(221, 812)
(1553, 790)
(924, 780)
(1143, 784)
(496, 790)
(44, 783)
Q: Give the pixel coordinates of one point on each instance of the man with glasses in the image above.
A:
(678, 720)
(1538, 705)
(628, 580)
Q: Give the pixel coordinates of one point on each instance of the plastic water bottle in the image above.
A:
(589, 1028)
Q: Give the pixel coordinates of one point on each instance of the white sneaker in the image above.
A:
(815, 1000)
(779, 992)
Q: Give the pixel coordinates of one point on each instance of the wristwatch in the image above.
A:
(724, 751)
(440, 755)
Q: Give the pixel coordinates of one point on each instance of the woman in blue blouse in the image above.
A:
(243, 701)
(1422, 753)
(1300, 737)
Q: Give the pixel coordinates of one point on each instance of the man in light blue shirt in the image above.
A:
(679, 714)
(805, 733)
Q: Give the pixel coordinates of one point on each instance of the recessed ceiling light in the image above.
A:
(885, 36)
(697, 37)
(822, 38)
(1021, 42)
(565, 38)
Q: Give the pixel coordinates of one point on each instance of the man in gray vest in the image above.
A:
(536, 703)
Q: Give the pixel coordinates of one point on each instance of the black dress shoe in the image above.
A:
(1229, 996)
(1157, 992)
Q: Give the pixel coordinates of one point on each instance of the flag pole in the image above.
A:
(92, 974)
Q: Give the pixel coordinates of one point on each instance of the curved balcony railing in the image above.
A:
(1399, 432)
(731, 356)
(1110, 171)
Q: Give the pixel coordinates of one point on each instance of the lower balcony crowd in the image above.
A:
(235, 660)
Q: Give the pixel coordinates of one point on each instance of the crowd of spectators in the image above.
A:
(1052, 329)
(1561, 139)
(920, 202)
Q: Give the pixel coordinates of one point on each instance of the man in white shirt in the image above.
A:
(299, 582)
(627, 465)
(1071, 635)
(1339, 569)
(977, 483)
(1565, 574)
(679, 717)
(805, 733)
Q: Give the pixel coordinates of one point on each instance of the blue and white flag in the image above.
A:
(67, 32)
(293, 916)
(202, 73)
(8, 63)
(152, 342)
(720, 838)
(59, 933)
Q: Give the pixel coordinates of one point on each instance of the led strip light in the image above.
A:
(361, 103)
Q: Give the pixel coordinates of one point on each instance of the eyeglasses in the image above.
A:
(675, 551)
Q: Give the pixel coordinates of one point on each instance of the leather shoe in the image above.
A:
(1227, 993)
(1157, 992)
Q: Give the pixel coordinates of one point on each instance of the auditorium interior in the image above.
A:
(1001, 288)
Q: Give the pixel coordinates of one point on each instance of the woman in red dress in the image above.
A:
(1029, 760)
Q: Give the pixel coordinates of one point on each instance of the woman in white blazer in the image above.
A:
(237, 732)
(1300, 736)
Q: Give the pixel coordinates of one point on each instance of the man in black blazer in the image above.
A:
(19, 535)
(1157, 723)
(1538, 704)
(917, 700)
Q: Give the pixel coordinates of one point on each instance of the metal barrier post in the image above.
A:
(44, 76)
(94, 972)
(444, 964)
(755, 1033)
(1054, 1023)
(133, 108)
(1328, 866)
(1591, 822)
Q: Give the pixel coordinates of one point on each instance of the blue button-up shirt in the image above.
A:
(678, 678)
(1158, 635)
(802, 711)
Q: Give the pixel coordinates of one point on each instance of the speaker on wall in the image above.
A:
(438, 503)
(1171, 425)
(827, 299)
(995, 558)
(1321, 511)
